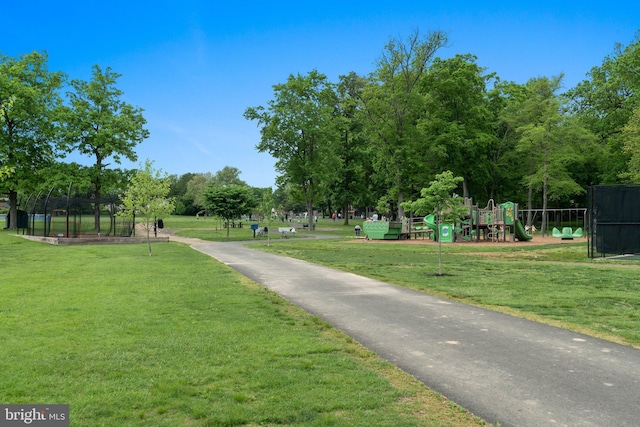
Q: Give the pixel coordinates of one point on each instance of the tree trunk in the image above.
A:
(465, 188)
(96, 209)
(345, 209)
(149, 242)
(13, 210)
(545, 181)
(310, 214)
(530, 205)
(400, 208)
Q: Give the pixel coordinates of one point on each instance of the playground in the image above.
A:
(494, 223)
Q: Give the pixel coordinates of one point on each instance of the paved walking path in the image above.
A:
(504, 369)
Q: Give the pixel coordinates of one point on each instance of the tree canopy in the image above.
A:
(97, 123)
(29, 125)
(393, 103)
(229, 202)
(297, 128)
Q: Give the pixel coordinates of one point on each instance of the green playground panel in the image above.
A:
(382, 230)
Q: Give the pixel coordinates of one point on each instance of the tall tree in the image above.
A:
(393, 103)
(605, 102)
(100, 125)
(349, 183)
(458, 125)
(148, 198)
(549, 139)
(29, 141)
(505, 164)
(297, 129)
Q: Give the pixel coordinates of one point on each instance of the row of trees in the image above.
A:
(189, 191)
(45, 116)
(377, 140)
(373, 140)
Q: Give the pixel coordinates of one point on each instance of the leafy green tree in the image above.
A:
(505, 163)
(458, 125)
(196, 188)
(184, 205)
(147, 198)
(227, 176)
(61, 174)
(393, 102)
(550, 141)
(297, 129)
(100, 125)
(285, 200)
(229, 202)
(440, 199)
(29, 139)
(5, 171)
(349, 182)
(631, 146)
(605, 102)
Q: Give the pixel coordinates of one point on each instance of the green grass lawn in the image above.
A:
(179, 339)
(555, 284)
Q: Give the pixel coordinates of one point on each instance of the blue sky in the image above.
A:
(195, 66)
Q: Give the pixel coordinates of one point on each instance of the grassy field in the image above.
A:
(178, 339)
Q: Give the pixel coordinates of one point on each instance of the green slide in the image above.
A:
(430, 222)
(521, 234)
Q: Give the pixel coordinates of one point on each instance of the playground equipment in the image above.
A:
(567, 233)
(494, 222)
(498, 221)
(383, 230)
(398, 230)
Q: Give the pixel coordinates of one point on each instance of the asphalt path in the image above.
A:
(503, 369)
